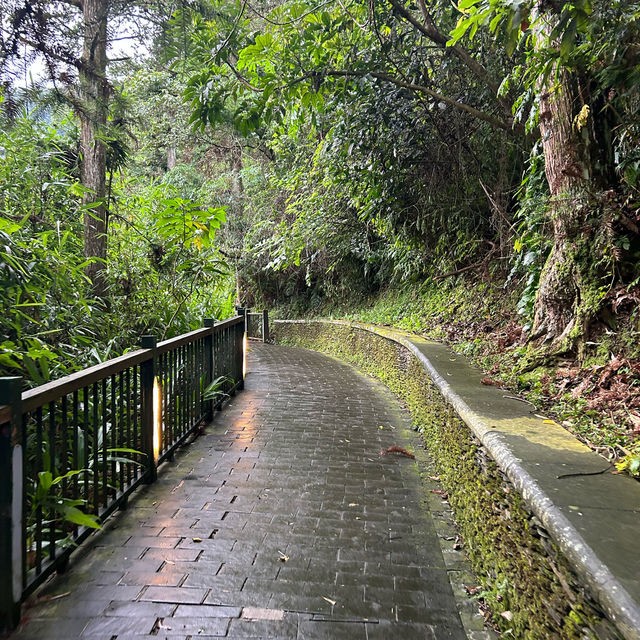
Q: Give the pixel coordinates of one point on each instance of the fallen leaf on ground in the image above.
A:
(396, 449)
(329, 600)
(197, 539)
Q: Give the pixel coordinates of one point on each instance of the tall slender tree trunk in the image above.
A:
(172, 157)
(237, 189)
(94, 93)
(565, 296)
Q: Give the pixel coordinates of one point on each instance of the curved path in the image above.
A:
(283, 521)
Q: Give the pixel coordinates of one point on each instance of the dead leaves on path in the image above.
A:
(398, 450)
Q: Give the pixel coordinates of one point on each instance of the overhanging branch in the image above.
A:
(461, 106)
(430, 30)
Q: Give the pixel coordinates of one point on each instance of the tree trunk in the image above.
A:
(565, 299)
(172, 157)
(237, 188)
(94, 93)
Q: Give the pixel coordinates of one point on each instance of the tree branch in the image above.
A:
(241, 78)
(430, 30)
(461, 106)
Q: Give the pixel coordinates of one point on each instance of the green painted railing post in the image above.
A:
(11, 504)
(150, 412)
(208, 362)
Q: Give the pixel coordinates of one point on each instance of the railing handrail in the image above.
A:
(186, 338)
(44, 393)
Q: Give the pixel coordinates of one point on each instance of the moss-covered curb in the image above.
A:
(504, 514)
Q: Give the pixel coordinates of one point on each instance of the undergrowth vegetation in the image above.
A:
(163, 272)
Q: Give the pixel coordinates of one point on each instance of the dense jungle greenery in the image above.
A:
(470, 171)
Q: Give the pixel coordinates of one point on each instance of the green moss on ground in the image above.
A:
(526, 581)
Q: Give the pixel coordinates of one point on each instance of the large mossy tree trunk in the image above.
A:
(567, 295)
(94, 94)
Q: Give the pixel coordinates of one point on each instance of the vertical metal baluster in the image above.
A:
(160, 379)
(104, 444)
(168, 423)
(180, 355)
(185, 414)
(166, 394)
(187, 387)
(204, 375)
(39, 443)
(113, 436)
(229, 342)
(96, 451)
(122, 443)
(76, 454)
(192, 384)
(167, 437)
(85, 453)
(130, 443)
(208, 346)
(223, 349)
(52, 469)
(64, 452)
(136, 405)
(199, 382)
(218, 363)
(191, 348)
(174, 390)
(25, 484)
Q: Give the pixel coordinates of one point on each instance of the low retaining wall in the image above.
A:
(523, 529)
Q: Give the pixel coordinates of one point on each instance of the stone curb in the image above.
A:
(605, 586)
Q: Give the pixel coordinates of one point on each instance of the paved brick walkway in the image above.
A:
(282, 521)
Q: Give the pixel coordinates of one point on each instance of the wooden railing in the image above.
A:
(73, 450)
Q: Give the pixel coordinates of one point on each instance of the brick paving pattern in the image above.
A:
(282, 521)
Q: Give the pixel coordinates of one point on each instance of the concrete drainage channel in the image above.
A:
(573, 562)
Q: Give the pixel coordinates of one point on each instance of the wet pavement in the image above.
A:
(282, 521)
